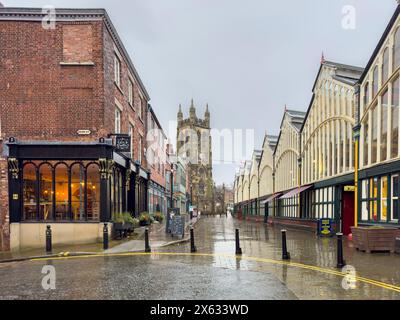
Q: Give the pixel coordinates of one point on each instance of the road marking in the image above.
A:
(248, 258)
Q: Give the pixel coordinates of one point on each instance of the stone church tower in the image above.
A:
(195, 148)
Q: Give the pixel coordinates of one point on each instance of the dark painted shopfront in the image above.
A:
(73, 182)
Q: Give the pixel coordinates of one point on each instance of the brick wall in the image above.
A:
(130, 113)
(42, 98)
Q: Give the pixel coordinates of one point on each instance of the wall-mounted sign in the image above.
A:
(325, 227)
(123, 143)
(84, 132)
(349, 188)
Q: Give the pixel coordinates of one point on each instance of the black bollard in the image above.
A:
(105, 236)
(238, 248)
(285, 253)
(49, 248)
(193, 248)
(340, 261)
(146, 241)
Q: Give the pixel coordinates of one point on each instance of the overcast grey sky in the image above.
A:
(247, 59)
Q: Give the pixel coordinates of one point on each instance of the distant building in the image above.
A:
(194, 148)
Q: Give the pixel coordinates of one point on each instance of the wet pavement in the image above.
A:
(214, 272)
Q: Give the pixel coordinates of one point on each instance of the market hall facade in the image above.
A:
(348, 149)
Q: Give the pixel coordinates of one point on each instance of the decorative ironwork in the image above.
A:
(106, 167)
(13, 167)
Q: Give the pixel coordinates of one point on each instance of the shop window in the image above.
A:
(93, 192)
(373, 200)
(62, 192)
(395, 199)
(45, 192)
(78, 192)
(29, 192)
(395, 119)
(384, 199)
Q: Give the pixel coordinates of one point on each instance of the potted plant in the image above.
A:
(144, 219)
(159, 216)
(118, 224)
(128, 222)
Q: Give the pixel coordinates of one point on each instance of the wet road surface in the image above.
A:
(214, 272)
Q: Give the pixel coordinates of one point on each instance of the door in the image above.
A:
(347, 212)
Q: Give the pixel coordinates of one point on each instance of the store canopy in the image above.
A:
(274, 196)
(295, 192)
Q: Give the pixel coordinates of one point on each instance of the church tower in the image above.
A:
(194, 147)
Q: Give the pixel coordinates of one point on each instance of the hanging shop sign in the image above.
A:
(123, 143)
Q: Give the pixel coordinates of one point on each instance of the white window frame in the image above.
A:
(131, 131)
(117, 70)
(118, 114)
(130, 92)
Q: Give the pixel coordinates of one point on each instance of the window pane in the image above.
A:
(385, 65)
(93, 192)
(29, 192)
(395, 119)
(374, 134)
(62, 192)
(366, 140)
(78, 192)
(384, 124)
(375, 82)
(384, 195)
(46, 193)
(396, 49)
(364, 211)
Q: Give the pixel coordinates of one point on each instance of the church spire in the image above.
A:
(180, 114)
(192, 111)
(322, 58)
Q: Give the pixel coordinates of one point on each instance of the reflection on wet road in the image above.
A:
(214, 273)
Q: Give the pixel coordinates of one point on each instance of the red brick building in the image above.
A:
(65, 93)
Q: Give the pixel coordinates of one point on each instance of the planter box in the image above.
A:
(374, 239)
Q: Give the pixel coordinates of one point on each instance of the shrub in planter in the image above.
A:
(118, 224)
(128, 222)
(159, 216)
(144, 219)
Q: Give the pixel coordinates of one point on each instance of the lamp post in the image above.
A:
(172, 185)
(191, 201)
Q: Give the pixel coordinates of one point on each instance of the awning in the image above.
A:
(274, 196)
(295, 192)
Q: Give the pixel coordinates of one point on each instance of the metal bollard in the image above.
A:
(105, 236)
(340, 261)
(193, 248)
(146, 241)
(238, 248)
(49, 248)
(285, 253)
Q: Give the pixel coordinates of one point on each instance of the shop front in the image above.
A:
(73, 187)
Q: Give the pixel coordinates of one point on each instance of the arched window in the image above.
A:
(45, 192)
(366, 96)
(384, 125)
(62, 192)
(93, 192)
(375, 82)
(29, 192)
(78, 192)
(385, 65)
(396, 50)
